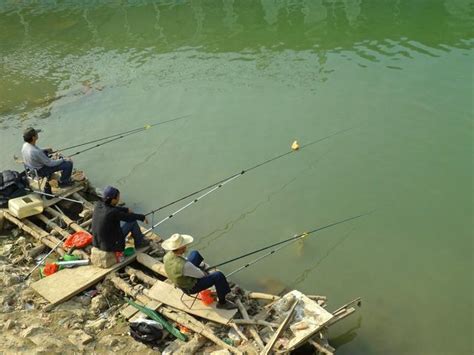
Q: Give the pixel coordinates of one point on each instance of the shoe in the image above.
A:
(227, 305)
(66, 183)
(144, 243)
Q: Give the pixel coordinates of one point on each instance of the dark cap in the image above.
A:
(110, 193)
(29, 133)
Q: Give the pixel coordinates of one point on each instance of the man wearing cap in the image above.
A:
(187, 273)
(111, 223)
(38, 159)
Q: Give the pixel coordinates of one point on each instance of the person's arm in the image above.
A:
(39, 156)
(193, 271)
(124, 215)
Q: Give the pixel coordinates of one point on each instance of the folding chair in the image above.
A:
(195, 296)
(35, 176)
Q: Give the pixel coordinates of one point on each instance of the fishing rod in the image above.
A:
(296, 237)
(221, 182)
(116, 136)
(264, 256)
(190, 203)
(55, 196)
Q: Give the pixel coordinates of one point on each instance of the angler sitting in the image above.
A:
(37, 159)
(111, 224)
(188, 274)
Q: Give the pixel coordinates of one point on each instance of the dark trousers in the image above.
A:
(65, 168)
(134, 228)
(216, 279)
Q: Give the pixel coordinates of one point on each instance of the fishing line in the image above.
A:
(117, 136)
(296, 237)
(236, 175)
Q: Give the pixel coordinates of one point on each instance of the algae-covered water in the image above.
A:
(396, 75)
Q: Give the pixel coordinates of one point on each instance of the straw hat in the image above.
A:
(177, 241)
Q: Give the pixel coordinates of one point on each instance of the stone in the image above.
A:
(102, 259)
(192, 346)
(7, 249)
(96, 325)
(10, 279)
(80, 338)
(20, 241)
(84, 300)
(109, 341)
(98, 304)
(31, 331)
(9, 324)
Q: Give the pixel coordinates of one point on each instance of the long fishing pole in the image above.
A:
(190, 203)
(296, 237)
(231, 177)
(264, 256)
(117, 136)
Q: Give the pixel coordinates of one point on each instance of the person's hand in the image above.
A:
(145, 220)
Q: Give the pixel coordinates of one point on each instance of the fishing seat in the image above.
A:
(185, 292)
(33, 174)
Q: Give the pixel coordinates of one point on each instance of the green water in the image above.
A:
(255, 75)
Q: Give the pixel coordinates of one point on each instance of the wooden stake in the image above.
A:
(2, 220)
(69, 222)
(52, 225)
(140, 275)
(252, 328)
(238, 331)
(255, 322)
(262, 296)
(86, 223)
(320, 348)
(36, 232)
(280, 329)
(151, 263)
(88, 205)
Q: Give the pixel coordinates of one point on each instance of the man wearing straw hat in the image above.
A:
(186, 273)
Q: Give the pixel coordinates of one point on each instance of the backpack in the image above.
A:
(147, 332)
(12, 184)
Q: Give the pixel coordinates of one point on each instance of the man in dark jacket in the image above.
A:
(111, 224)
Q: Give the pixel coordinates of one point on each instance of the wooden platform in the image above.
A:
(169, 295)
(67, 283)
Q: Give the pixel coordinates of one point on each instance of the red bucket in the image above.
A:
(206, 297)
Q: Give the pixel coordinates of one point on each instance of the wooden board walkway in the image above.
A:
(170, 295)
(67, 283)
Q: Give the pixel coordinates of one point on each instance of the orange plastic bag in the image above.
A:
(78, 240)
(206, 297)
(50, 269)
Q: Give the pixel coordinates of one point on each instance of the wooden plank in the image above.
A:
(170, 296)
(313, 315)
(128, 311)
(67, 283)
